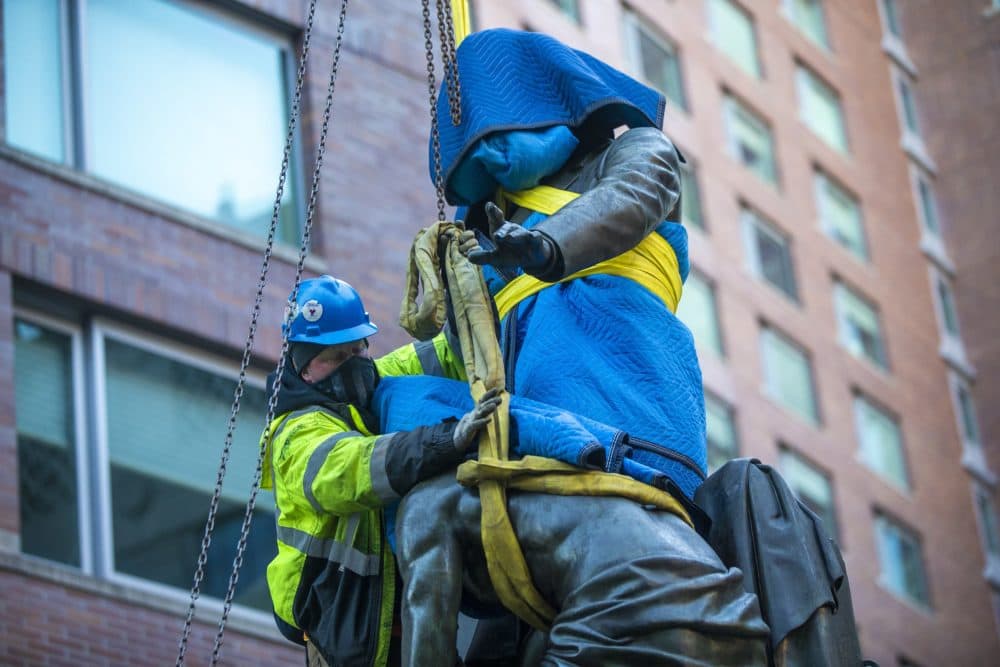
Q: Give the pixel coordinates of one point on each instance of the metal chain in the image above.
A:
(279, 372)
(248, 347)
(446, 29)
(432, 91)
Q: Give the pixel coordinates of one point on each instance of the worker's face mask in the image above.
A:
(353, 382)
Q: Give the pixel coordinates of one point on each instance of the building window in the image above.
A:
(820, 109)
(840, 215)
(902, 564)
(733, 33)
(155, 412)
(769, 253)
(570, 8)
(859, 326)
(720, 432)
(890, 17)
(698, 311)
(750, 140)
(987, 516)
(163, 109)
(691, 211)
(808, 16)
(788, 376)
(47, 404)
(947, 315)
(880, 440)
(811, 486)
(965, 409)
(927, 205)
(656, 59)
(907, 106)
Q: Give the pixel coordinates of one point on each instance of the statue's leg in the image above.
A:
(667, 600)
(430, 565)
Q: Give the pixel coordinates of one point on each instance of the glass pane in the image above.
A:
(734, 34)
(841, 216)
(821, 110)
(720, 431)
(808, 15)
(861, 331)
(988, 520)
(691, 198)
(46, 446)
(929, 207)
(569, 7)
(891, 17)
(811, 486)
(970, 429)
(166, 425)
(33, 68)
(902, 563)
(788, 375)
(751, 141)
(187, 110)
(909, 107)
(774, 261)
(660, 67)
(881, 442)
(948, 315)
(697, 311)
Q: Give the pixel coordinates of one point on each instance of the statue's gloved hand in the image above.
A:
(516, 246)
(473, 421)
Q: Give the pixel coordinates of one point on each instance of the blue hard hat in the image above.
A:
(328, 312)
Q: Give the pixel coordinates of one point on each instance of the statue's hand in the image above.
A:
(515, 246)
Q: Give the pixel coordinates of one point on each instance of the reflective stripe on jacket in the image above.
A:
(334, 576)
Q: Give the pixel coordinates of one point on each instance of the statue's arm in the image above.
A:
(638, 185)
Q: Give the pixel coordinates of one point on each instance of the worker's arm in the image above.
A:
(429, 357)
(340, 471)
(638, 185)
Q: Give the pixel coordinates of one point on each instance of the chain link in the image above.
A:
(432, 92)
(279, 372)
(446, 29)
(294, 114)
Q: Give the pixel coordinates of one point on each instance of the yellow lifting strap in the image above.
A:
(460, 19)
(652, 263)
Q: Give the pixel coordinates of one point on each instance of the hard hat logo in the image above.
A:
(312, 310)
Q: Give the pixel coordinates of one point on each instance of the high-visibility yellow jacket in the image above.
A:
(332, 474)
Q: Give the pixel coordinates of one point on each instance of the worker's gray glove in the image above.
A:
(516, 246)
(475, 419)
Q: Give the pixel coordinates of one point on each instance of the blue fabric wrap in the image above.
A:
(539, 429)
(515, 160)
(515, 80)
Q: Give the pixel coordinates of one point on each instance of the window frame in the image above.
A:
(821, 179)
(841, 291)
(788, 9)
(785, 449)
(952, 347)
(634, 24)
(730, 411)
(754, 223)
(903, 486)
(902, 530)
(768, 330)
(931, 240)
(82, 454)
(75, 108)
(756, 71)
(732, 107)
(809, 84)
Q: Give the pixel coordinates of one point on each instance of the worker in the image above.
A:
(334, 577)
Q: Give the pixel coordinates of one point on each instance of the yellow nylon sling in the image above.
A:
(493, 473)
(652, 263)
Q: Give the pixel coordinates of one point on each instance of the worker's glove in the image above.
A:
(516, 246)
(473, 421)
